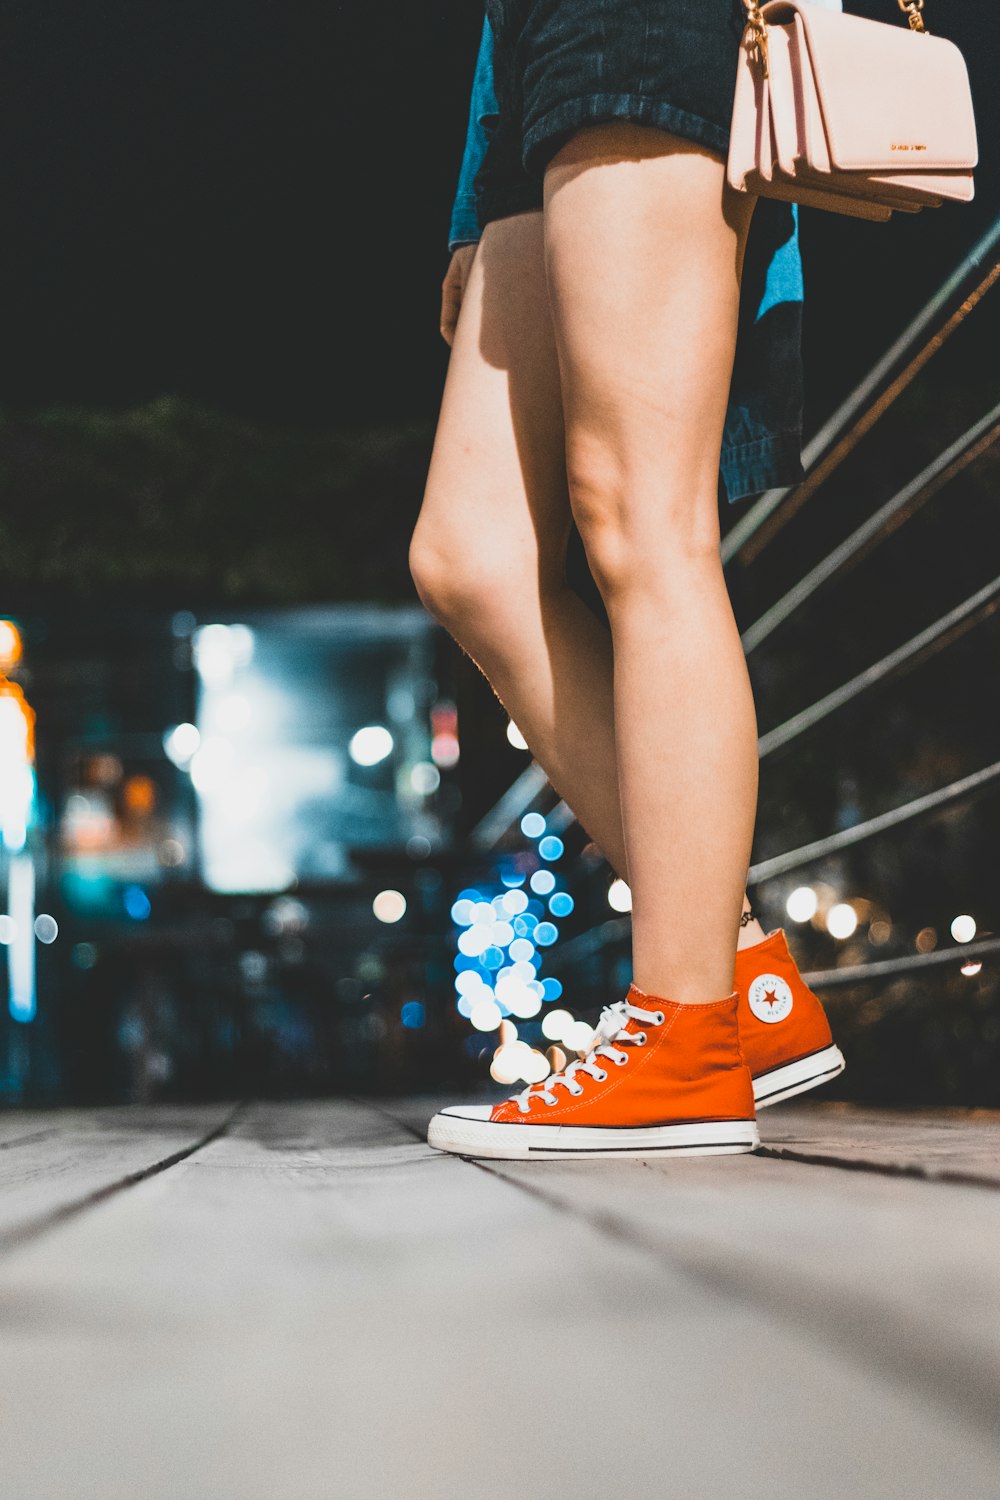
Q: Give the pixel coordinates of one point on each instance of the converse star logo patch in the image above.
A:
(770, 998)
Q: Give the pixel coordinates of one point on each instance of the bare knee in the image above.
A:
(642, 529)
(444, 573)
(475, 582)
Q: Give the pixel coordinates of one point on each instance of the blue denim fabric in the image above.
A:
(762, 437)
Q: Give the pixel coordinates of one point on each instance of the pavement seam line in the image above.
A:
(27, 1140)
(946, 1177)
(32, 1229)
(970, 1392)
(972, 1396)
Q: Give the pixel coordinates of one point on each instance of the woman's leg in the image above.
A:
(487, 553)
(644, 243)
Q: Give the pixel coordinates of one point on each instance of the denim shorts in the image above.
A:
(562, 64)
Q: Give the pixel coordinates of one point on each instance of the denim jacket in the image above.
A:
(762, 438)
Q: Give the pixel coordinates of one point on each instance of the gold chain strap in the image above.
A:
(757, 26)
(912, 9)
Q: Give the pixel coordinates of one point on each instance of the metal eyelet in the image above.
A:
(622, 1060)
(660, 1018)
(601, 1076)
(640, 1039)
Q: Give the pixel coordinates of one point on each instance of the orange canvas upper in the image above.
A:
(780, 1018)
(689, 1069)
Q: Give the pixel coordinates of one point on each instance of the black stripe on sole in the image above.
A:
(801, 1083)
(681, 1146)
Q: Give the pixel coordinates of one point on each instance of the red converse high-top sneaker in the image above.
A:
(784, 1032)
(662, 1080)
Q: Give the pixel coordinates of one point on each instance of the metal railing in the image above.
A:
(944, 312)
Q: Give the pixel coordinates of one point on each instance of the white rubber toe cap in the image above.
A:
(468, 1111)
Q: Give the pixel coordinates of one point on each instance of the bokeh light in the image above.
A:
(532, 825)
(485, 1015)
(963, 928)
(425, 778)
(11, 647)
(389, 906)
(46, 928)
(370, 745)
(556, 1024)
(841, 920)
(802, 903)
(579, 1037)
(619, 896)
(181, 744)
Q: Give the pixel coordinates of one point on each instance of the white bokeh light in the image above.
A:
(802, 903)
(486, 1015)
(370, 745)
(963, 928)
(579, 1037)
(389, 906)
(619, 896)
(841, 920)
(555, 1024)
(181, 743)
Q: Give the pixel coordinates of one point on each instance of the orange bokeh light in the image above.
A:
(11, 645)
(139, 793)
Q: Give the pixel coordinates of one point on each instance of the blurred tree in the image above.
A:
(171, 501)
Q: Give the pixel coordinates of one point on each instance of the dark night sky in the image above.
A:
(246, 203)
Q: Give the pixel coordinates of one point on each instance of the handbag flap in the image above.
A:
(891, 99)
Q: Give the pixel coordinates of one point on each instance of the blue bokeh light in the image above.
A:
(136, 902)
(412, 1015)
(532, 825)
(552, 987)
(546, 933)
(561, 904)
(551, 848)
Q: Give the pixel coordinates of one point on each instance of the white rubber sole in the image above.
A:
(796, 1077)
(515, 1142)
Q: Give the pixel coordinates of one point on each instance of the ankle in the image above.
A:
(750, 930)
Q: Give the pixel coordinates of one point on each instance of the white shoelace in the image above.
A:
(610, 1030)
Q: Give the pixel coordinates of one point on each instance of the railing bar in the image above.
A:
(585, 944)
(768, 869)
(560, 818)
(504, 814)
(958, 456)
(864, 392)
(943, 632)
(884, 968)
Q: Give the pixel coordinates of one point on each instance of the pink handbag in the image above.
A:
(839, 112)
